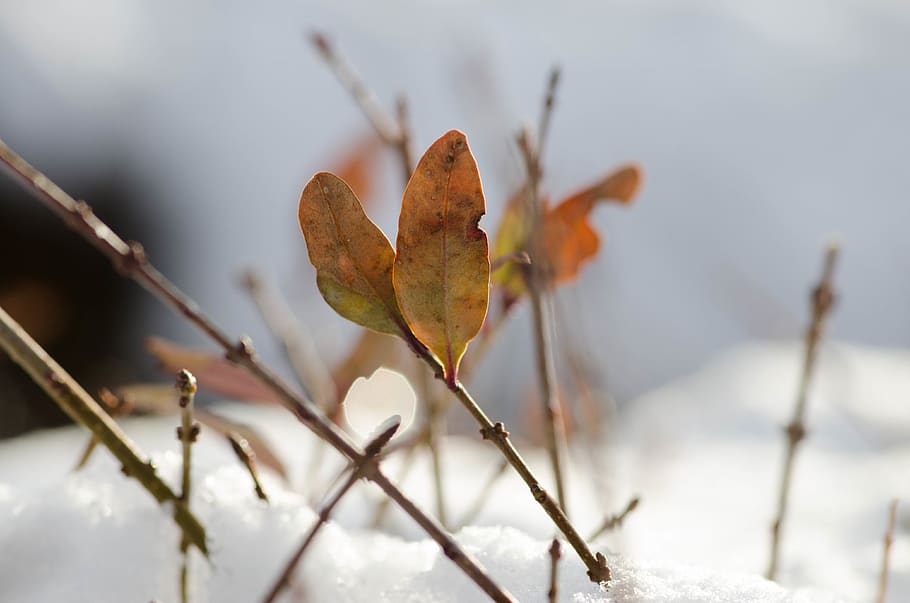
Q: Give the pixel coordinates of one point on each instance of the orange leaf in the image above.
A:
(352, 257)
(568, 238)
(358, 166)
(619, 185)
(442, 265)
(213, 372)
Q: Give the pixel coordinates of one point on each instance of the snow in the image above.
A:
(703, 452)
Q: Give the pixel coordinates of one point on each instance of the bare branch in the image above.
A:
(187, 433)
(368, 463)
(298, 346)
(132, 262)
(615, 521)
(247, 456)
(394, 134)
(536, 279)
(81, 408)
(821, 300)
(886, 553)
(555, 552)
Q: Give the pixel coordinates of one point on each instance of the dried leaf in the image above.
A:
(511, 237)
(619, 185)
(442, 266)
(225, 426)
(358, 167)
(214, 373)
(352, 257)
(568, 238)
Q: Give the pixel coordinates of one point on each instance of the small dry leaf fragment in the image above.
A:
(214, 373)
(442, 266)
(353, 259)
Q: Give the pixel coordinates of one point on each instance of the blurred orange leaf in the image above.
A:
(359, 167)
(568, 238)
(511, 238)
(352, 257)
(442, 266)
(213, 372)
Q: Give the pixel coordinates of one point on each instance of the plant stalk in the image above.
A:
(81, 408)
(130, 260)
(822, 300)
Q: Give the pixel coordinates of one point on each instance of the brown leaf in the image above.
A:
(352, 257)
(225, 426)
(213, 372)
(568, 238)
(442, 266)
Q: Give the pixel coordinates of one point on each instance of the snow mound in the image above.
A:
(706, 453)
(95, 536)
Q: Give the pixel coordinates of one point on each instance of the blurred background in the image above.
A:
(764, 127)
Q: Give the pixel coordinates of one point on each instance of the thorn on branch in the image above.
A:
(243, 352)
(247, 456)
(616, 520)
(496, 432)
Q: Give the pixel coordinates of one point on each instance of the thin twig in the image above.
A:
(596, 564)
(496, 433)
(189, 428)
(434, 431)
(368, 463)
(536, 279)
(546, 115)
(886, 552)
(187, 433)
(298, 346)
(247, 456)
(81, 408)
(484, 494)
(403, 144)
(822, 300)
(116, 406)
(615, 521)
(131, 261)
(394, 134)
(555, 552)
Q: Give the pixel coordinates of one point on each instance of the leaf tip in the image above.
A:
(623, 184)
